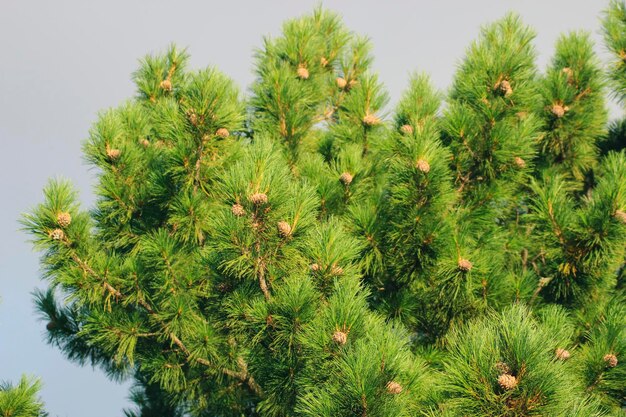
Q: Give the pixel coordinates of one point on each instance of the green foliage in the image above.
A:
(310, 253)
(21, 400)
(505, 365)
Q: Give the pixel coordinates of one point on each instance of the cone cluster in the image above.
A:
(558, 110)
(303, 73)
(394, 388)
(346, 178)
(340, 337)
(284, 229)
(610, 360)
(238, 210)
(258, 199)
(57, 234)
(465, 265)
(423, 166)
(113, 154)
(166, 85)
(64, 219)
(507, 381)
(222, 132)
(504, 87)
(371, 119)
(562, 354)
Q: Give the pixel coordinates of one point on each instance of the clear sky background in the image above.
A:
(62, 61)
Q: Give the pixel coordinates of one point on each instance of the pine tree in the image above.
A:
(21, 400)
(307, 252)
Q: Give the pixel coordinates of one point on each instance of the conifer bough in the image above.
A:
(303, 252)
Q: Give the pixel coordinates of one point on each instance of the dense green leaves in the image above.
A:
(309, 253)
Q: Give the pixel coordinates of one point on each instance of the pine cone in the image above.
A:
(465, 265)
(303, 73)
(323, 61)
(620, 215)
(519, 162)
(145, 142)
(222, 132)
(423, 166)
(504, 87)
(610, 360)
(113, 154)
(562, 354)
(407, 129)
(238, 210)
(258, 199)
(51, 326)
(346, 178)
(315, 267)
(558, 110)
(502, 367)
(341, 82)
(371, 119)
(193, 118)
(64, 219)
(57, 234)
(394, 388)
(284, 229)
(166, 85)
(336, 270)
(340, 337)
(506, 381)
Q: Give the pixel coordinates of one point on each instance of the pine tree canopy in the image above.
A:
(306, 250)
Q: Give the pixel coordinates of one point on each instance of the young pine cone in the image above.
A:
(423, 166)
(258, 199)
(57, 234)
(371, 119)
(284, 229)
(64, 219)
(315, 267)
(341, 82)
(113, 154)
(238, 210)
(610, 360)
(323, 61)
(562, 354)
(406, 129)
(222, 132)
(465, 265)
(166, 85)
(519, 162)
(506, 381)
(346, 178)
(303, 73)
(340, 337)
(558, 110)
(394, 388)
(504, 87)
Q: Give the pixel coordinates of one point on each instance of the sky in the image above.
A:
(63, 61)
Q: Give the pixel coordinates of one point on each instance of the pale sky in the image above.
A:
(62, 61)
